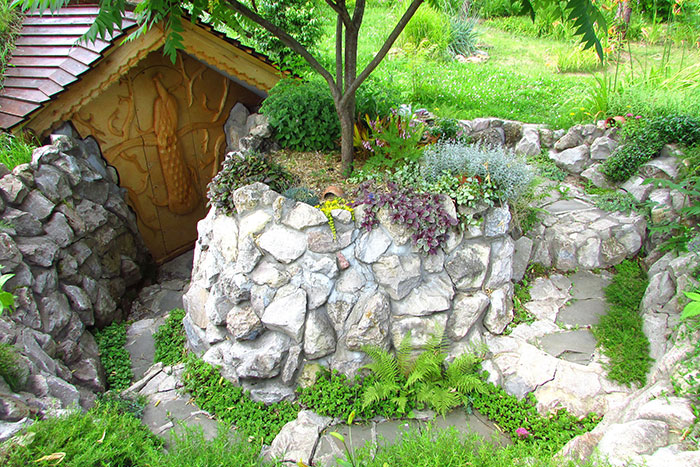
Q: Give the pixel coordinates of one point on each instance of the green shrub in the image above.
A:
(231, 404)
(237, 172)
(115, 358)
(643, 139)
(123, 403)
(393, 140)
(10, 24)
(430, 29)
(497, 8)
(170, 339)
(619, 332)
(14, 150)
(102, 437)
(302, 115)
(12, 369)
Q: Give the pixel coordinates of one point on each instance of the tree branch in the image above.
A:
(286, 39)
(341, 10)
(410, 11)
(339, 55)
(359, 13)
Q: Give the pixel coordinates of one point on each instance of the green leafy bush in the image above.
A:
(302, 115)
(231, 404)
(619, 332)
(300, 18)
(115, 358)
(237, 172)
(12, 370)
(497, 8)
(393, 140)
(170, 339)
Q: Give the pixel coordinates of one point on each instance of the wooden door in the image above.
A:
(161, 127)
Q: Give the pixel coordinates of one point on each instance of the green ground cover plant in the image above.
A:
(619, 332)
(115, 358)
(643, 138)
(7, 299)
(231, 404)
(170, 339)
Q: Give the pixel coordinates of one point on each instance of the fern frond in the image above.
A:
(464, 364)
(467, 384)
(384, 364)
(404, 355)
(400, 401)
(428, 367)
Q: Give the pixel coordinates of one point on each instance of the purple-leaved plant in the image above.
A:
(423, 214)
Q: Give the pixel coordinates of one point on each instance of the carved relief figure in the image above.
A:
(183, 197)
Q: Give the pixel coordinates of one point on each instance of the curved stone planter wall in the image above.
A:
(72, 243)
(272, 291)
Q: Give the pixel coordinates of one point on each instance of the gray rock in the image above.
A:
(10, 254)
(10, 429)
(287, 312)
(80, 302)
(501, 262)
(322, 241)
(596, 177)
(497, 222)
(350, 281)
(38, 205)
(24, 223)
(284, 244)
(291, 365)
(52, 183)
(513, 132)
(422, 329)
(194, 302)
(268, 273)
(433, 295)
(242, 322)
(370, 319)
(492, 137)
(529, 145)
(467, 266)
(466, 311)
(260, 358)
(63, 391)
(196, 336)
(660, 167)
(571, 139)
(677, 412)
(93, 216)
(59, 231)
(500, 313)
(573, 160)
(235, 126)
(13, 190)
(303, 216)
(319, 335)
(659, 291)
(55, 313)
(317, 286)
(620, 442)
(521, 257)
(248, 254)
(297, 440)
(370, 246)
(249, 197)
(339, 307)
(397, 274)
(602, 148)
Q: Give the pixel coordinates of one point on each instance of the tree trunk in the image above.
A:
(347, 127)
(623, 16)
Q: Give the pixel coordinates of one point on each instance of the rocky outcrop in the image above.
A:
(72, 244)
(272, 290)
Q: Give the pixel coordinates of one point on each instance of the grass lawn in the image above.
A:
(521, 81)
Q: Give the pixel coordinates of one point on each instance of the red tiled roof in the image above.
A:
(47, 59)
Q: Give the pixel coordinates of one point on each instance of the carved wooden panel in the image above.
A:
(161, 127)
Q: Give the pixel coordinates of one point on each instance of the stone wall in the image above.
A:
(71, 241)
(273, 292)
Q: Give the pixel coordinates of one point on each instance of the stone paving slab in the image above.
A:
(582, 312)
(573, 346)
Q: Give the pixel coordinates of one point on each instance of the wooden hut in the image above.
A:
(160, 124)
